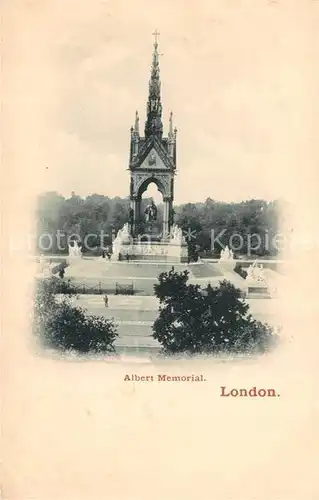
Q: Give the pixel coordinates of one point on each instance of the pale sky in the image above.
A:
(235, 73)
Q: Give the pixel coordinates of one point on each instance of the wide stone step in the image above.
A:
(132, 316)
(136, 352)
(136, 341)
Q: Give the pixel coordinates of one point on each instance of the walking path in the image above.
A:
(134, 315)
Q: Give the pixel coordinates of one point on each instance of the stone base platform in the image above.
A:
(152, 251)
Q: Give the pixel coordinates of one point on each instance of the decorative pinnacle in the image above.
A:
(170, 130)
(136, 125)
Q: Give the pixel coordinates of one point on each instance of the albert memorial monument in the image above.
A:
(152, 160)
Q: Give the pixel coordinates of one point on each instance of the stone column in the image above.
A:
(166, 217)
(135, 206)
(137, 214)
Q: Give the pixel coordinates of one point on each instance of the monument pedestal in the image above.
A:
(257, 286)
(150, 232)
(153, 251)
(257, 289)
(172, 249)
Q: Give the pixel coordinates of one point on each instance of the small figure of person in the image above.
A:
(103, 254)
(61, 273)
(127, 257)
(106, 300)
(108, 255)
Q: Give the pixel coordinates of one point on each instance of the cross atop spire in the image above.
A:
(156, 34)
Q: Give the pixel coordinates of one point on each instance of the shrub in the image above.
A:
(63, 326)
(70, 328)
(54, 285)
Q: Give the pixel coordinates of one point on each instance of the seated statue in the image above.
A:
(151, 212)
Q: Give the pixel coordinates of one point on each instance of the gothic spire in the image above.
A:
(153, 125)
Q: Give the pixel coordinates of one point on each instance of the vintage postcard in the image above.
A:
(160, 258)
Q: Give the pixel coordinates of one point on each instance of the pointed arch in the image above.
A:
(149, 180)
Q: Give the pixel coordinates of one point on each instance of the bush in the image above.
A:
(54, 285)
(196, 321)
(70, 328)
(63, 326)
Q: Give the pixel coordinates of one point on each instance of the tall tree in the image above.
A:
(215, 319)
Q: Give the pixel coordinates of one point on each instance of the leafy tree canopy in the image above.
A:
(96, 213)
(214, 319)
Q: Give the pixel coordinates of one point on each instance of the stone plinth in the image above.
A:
(153, 251)
(256, 282)
(257, 289)
(151, 232)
